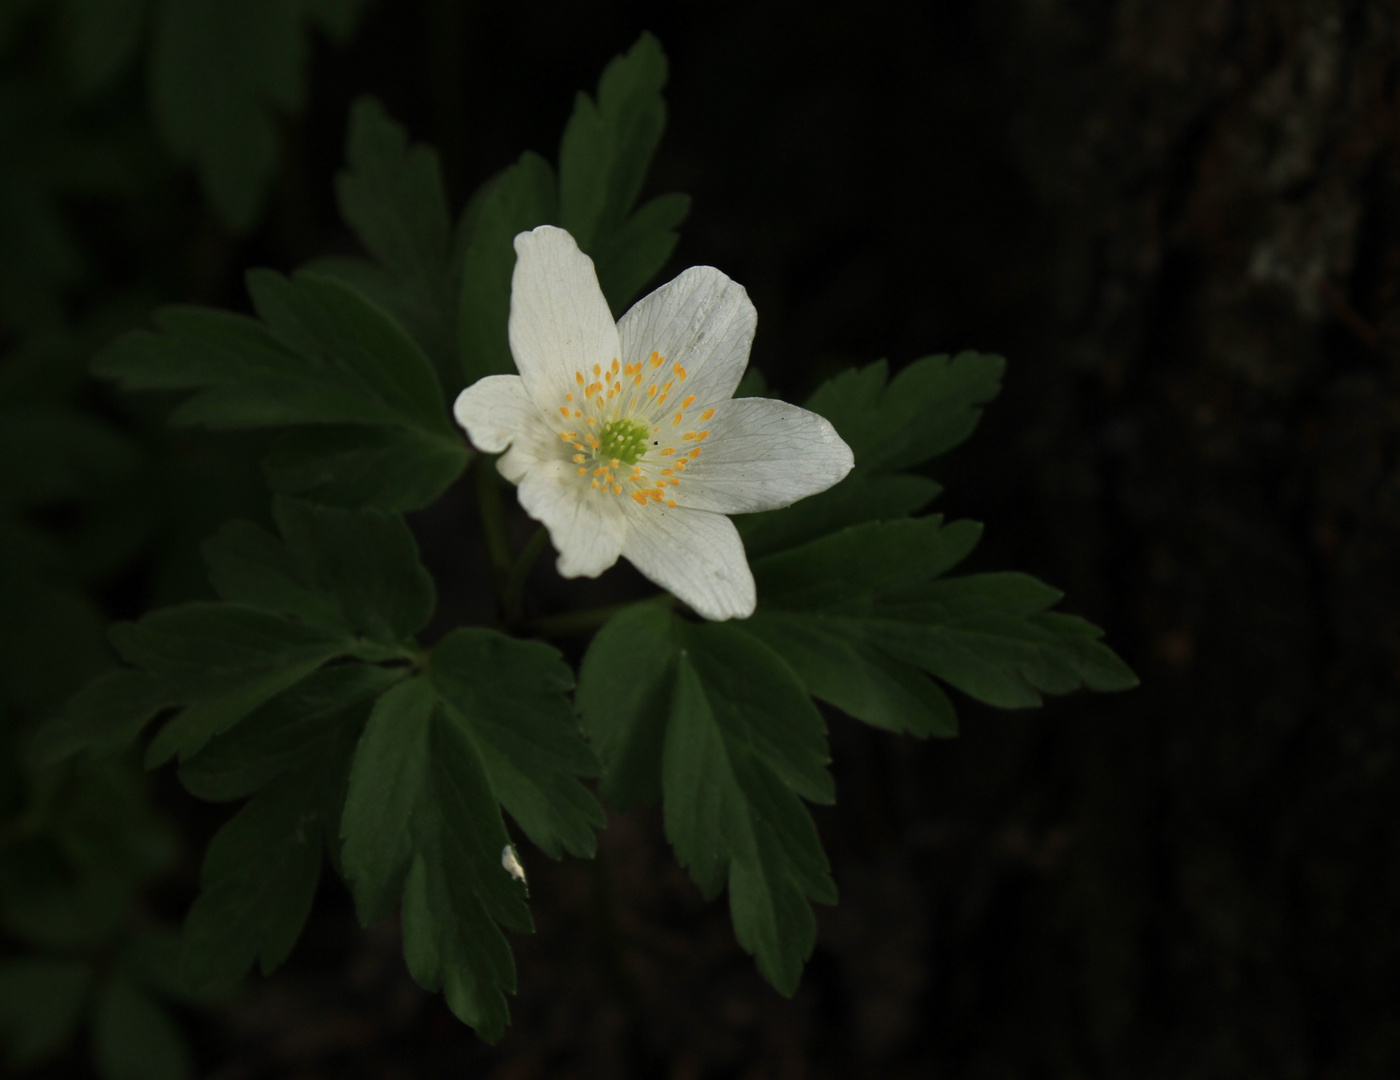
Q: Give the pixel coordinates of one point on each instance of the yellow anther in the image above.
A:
(657, 359)
(577, 414)
(600, 470)
(640, 497)
(694, 453)
(688, 436)
(671, 503)
(563, 409)
(617, 489)
(674, 482)
(651, 390)
(662, 399)
(615, 462)
(668, 451)
(702, 435)
(597, 370)
(579, 459)
(677, 419)
(667, 472)
(578, 446)
(578, 377)
(591, 420)
(707, 414)
(680, 371)
(581, 470)
(568, 397)
(688, 402)
(668, 384)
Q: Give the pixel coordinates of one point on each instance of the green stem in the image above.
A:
(513, 599)
(493, 523)
(572, 623)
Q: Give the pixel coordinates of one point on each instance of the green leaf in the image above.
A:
(392, 196)
(864, 617)
(603, 160)
(327, 357)
(105, 715)
(630, 256)
(488, 726)
(869, 498)
(352, 572)
(220, 71)
(41, 1001)
(510, 696)
(289, 732)
(740, 746)
(133, 1038)
(390, 468)
(220, 661)
(260, 877)
(523, 197)
(331, 325)
(927, 409)
(625, 683)
(388, 779)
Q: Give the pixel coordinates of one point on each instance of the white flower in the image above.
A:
(626, 439)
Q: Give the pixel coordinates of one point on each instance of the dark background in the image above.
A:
(1180, 222)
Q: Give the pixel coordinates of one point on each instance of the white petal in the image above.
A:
(701, 320)
(559, 321)
(762, 454)
(494, 411)
(585, 527)
(694, 555)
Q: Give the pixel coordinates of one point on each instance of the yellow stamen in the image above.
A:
(707, 414)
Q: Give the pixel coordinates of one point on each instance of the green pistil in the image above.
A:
(625, 440)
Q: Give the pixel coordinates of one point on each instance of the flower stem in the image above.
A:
(513, 596)
(493, 524)
(573, 623)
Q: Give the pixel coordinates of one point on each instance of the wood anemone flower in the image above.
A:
(627, 440)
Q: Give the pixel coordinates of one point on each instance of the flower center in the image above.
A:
(621, 445)
(624, 439)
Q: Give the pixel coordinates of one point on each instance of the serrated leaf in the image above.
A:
(509, 695)
(331, 325)
(864, 617)
(625, 684)
(387, 781)
(220, 71)
(287, 733)
(871, 498)
(488, 725)
(607, 145)
(260, 875)
(347, 572)
(41, 1001)
(134, 1038)
(740, 747)
(925, 410)
(629, 256)
(603, 160)
(220, 661)
(392, 196)
(384, 467)
(524, 196)
(366, 561)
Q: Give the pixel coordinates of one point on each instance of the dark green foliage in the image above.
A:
(323, 355)
(603, 158)
(925, 410)
(41, 1003)
(737, 745)
(488, 728)
(864, 616)
(392, 196)
(221, 73)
